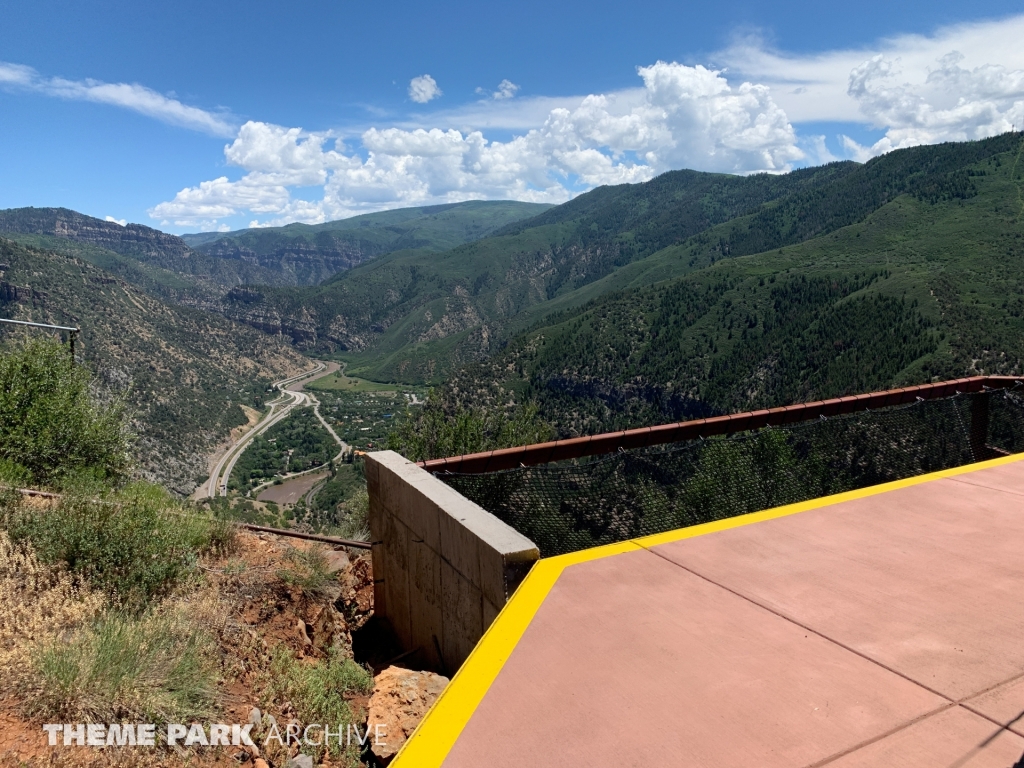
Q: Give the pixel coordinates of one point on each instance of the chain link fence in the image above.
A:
(573, 505)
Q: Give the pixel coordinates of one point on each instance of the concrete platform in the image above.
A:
(882, 627)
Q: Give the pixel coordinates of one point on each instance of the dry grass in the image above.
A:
(39, 604)
(158, 667)
(310, 571)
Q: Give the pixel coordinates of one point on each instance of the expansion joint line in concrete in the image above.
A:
(950, 702)
(433, 739)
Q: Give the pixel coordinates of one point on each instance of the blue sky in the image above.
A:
(190, 116)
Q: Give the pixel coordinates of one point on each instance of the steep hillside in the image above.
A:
(309, 254)
(87, 238)
(187, 372)
(928, 285)
(169, 267)
(455, 304)
(417, 317)
(164, 284)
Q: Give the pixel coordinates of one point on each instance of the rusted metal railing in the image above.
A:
(610, 442)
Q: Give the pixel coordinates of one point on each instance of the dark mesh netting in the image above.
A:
(573, 505)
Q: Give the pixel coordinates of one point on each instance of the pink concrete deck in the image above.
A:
(886, 630)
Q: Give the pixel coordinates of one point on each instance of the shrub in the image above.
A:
(353, 517)
(437, 431)
(52, 424)
(310, 571)
(135, 543)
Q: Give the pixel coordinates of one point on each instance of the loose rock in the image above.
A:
(401, 697)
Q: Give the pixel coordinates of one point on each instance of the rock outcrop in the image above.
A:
(401, 697)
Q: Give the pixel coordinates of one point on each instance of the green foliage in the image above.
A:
(149, 669)
(52, 425)
(320, 692)
(309, 571)
(183, 372)
(341, 505)
(295, 444)
(135, 543)
(436, 432)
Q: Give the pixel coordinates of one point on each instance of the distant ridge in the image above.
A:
(143, 242)
(297, 254)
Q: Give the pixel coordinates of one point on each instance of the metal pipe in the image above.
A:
(40, 325)
(308, 536)
(72, 332)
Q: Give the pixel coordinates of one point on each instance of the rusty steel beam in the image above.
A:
(307, 536)
(610, 442)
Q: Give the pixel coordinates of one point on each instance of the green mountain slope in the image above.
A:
(928, 285)
(187, 371)
(170, 268)
(415, 315)
(306, 254)
(87, 238)
(162, 283)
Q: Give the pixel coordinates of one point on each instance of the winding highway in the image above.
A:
(279, 409)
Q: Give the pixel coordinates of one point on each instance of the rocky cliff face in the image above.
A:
(301, 262)
(144, 243)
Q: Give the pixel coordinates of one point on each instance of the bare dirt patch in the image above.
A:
(290, 491)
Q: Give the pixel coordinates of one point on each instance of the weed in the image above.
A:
(135, 544)
(156, 668)
(38, 603)
(310, 571)
(320, 691)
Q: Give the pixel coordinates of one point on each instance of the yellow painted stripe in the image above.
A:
(434, 737)
(436, 734)
(824, 501)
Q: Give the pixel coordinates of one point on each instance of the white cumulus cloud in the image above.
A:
(423, 89)
(961, 82)
(137, 98)
(506, 90)
(952, 103)
(122, 222)
(681, 117)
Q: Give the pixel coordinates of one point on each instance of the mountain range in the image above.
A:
(690, 294)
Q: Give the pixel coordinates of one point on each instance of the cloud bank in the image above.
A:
(682, 117)
(962, 82)
(741, 113)
(132, 96)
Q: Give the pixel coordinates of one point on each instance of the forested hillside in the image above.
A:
(418, 317)
(928, 285)
(186, 372)
(153, 252)
(304, 254)
(198, 269)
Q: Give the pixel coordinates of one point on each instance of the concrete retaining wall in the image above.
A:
(443, 566)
